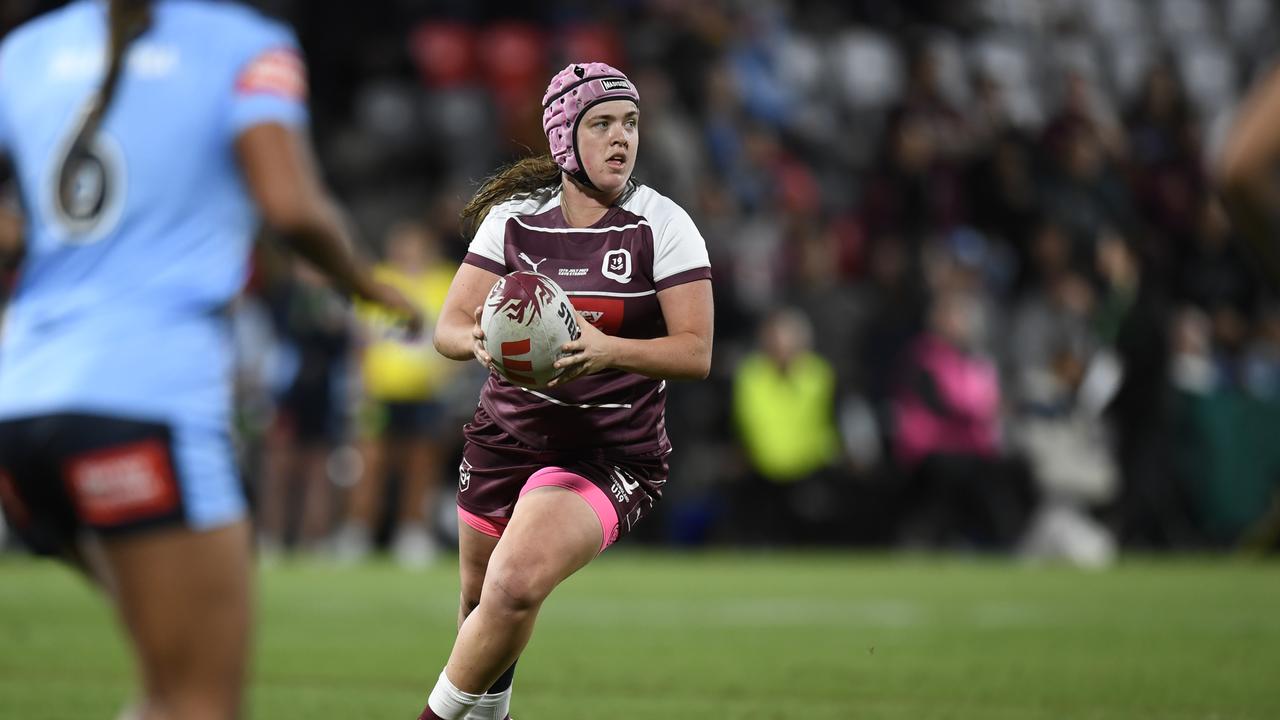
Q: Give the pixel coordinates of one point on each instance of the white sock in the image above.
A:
(492, 707)
(449, 702)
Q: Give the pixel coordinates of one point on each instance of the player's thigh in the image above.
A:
(553, 533)
(185, 595)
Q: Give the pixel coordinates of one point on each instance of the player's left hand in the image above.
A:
(590, 353)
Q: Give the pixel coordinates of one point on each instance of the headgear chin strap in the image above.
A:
(571, 93)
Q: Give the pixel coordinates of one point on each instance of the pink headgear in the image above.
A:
(572, 91)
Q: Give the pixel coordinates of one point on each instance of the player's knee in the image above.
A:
(516, 589)
(192, 683)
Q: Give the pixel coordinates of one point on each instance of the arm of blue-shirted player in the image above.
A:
(457, 334)
(12, 244)
(1245, 170)
(684, 353)
(284, 182)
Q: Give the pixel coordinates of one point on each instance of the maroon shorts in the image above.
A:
(497, 468)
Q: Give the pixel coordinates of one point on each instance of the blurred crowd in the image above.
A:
(973, 286)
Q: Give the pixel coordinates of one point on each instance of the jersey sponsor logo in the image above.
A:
(123, 484)
(530, 261)
(146, 60)
(76, 63)
(153, 60)
(617, 265)
(275, 72)
(606, 314)
(464, 475)
(614, 84)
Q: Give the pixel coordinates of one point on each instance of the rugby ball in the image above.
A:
(526, 318)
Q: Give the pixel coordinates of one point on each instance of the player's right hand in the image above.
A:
(407, 315)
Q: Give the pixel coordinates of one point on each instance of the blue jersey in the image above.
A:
(120, 303)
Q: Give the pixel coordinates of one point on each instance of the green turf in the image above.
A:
(767, 637)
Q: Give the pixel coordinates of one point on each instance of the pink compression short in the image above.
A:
(561, 478)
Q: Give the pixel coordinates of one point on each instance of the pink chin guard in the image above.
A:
(572, 91)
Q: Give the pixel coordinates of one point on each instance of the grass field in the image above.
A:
(767, 637)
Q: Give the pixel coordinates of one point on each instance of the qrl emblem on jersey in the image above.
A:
(464, 475)
(617, 265)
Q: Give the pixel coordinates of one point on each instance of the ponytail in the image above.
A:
(523, 177)
(126, 21)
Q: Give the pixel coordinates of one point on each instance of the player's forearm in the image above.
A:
(321, 237)
(1243, 200)
(1249, 207)
(1244, 169)
(452, 337)
(281, 177)
(11, 239)
(683, 356)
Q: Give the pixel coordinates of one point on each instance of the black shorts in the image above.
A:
(60, 474)
(309, 414)
(402, 419)
(496, 468)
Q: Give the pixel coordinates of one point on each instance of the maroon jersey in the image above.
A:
(612, 271)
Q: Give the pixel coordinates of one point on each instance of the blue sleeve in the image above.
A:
(4, 128)
(270, 80)
(5, 138)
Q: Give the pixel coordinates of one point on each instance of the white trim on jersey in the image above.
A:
(490, 237)
(565, 231)
(677, 244)
(677, 270)
(583, 406)
(601, 293)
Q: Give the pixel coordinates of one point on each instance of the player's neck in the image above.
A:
(583, 207)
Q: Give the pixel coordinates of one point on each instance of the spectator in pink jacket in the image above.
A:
(949, 403)
(962, 490)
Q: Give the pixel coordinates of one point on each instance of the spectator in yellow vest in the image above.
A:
(400, 421)
(784, 398)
